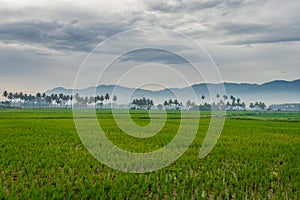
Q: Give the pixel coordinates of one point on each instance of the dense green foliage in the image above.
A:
(257, 156)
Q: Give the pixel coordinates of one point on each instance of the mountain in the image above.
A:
(274, 92)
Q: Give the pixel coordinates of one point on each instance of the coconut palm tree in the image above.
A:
(202, 98)
(115, 98)
(170, 104)
(217, 96)
(106, 99)
(5, 94)
(166, 104)
(176, 103)
(188, 104)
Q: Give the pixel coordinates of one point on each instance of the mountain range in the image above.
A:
(274, 92)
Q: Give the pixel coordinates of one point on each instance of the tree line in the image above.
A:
(55, 100)
(224, 102)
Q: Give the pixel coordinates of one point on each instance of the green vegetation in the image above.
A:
(42, 157)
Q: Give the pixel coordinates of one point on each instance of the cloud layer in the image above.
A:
(238, 33)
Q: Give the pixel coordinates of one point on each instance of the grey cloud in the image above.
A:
(172, 6)
(265, 40)
(260, 34)
(179, 6)
(242, 28)
(153, 55)
(58, 35)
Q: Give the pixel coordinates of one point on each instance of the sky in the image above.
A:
(43, 43)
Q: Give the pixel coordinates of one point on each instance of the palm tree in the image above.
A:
(149, 104)
(262, 105)
(238, 100)
(202, 98)
(217, 96)
(225, 97)
(10, 97)
(5, 94)
(77, 97)
(115, 98)
(102, 98)
(251, 106)
(176, 103)
(106, 99)
(134, 103)
(71, 99)
(38, 98)
(188, 104)
(166, 104)
(170, 103)
(233, 101)
(21, 96)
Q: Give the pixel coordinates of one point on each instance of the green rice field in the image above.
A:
(256, 157)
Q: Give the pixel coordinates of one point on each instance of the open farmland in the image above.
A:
(256, 157)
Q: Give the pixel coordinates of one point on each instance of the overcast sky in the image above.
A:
(43, 42)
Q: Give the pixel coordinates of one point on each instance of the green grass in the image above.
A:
(42, 157)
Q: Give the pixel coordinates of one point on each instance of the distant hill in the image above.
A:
(278, 91)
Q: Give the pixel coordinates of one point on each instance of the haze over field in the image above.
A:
(274, 92)
(43, 43)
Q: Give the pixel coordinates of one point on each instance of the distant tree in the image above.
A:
(5, 94)
(228, 105)
(188, 104)
(71, 99)
(101, 98)
(77, 97)
(160, 106)
(38, 97)
(262, 105)
(193, 104)
(115, 98)
(106, 99)
(217, 96)
(202, 98)
(143, 103)
(170, 104)
(91, 100)
(166, 104)
(176, 103)
(238, 100)
(149, 104)
(251, 106)
(10, 97)
(233, 104)
(243, 105)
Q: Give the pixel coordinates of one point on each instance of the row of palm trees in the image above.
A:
(55, 100)
(224, 103)
(173, 104)
(142, 103)
(257, 106)
(102, 101)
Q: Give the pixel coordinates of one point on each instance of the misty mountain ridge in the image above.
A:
(274, 92)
